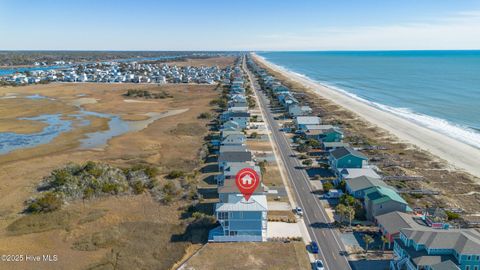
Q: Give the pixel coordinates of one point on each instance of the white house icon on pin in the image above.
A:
(247, 180)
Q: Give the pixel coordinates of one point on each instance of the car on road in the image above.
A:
(314, 247)
(318, 265)
(299, 211)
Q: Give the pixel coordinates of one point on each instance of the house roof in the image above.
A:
(464, 241)
(364, 182)
(234, 138)
(445, 265)
(383, 194)
(233, 148)
(335, 144)
(232, 168)
(235, 156)
(355, 172)
(226, 133)
(237, 114)
(394, 221)
(236, 202)
(312, 127)
(229, 186)
(307, 120)
(344, 151)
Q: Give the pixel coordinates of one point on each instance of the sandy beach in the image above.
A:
(462, 156)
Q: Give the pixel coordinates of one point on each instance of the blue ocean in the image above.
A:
(436, 89)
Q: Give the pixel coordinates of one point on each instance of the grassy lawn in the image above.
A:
(268, 255)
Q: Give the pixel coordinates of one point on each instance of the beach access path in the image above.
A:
(461, 155)
(317, 222)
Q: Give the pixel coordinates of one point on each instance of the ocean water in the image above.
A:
(436, 89)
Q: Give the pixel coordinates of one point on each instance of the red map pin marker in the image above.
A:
(247, 181)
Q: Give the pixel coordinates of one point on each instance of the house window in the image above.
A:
(467, 267)
(469, 258)
(475, 267)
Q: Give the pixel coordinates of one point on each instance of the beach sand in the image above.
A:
(460, 155)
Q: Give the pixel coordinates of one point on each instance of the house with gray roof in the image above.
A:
(230, 170)
(232, 148)
(234, 139)
(225, 157)
(391, 223)
(231, 125)
(427, 248)
(357, 186)
(230, 187)
(301, 122)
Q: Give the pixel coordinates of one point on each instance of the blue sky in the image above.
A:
(239, 25)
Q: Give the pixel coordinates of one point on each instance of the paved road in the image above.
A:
(315, 217)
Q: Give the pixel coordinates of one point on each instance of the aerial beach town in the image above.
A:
(345, 137)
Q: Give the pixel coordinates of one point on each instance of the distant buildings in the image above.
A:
(125, 72)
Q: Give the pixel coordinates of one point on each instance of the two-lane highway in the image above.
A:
(315, 216)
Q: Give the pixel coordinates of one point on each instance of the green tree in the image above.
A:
(263, 167)
(347, 200)
(307, 162)
(368, 240)
(342, 185)
(350, 214)
(340, 210)
(327, 186)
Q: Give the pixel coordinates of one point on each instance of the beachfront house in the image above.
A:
(381, 200)
(357, 186)
(298, 110)
(430, 249)
(241, 220)
(324, 133)
(390, 224)
(346, 157)
(301, 122)
(328, 146)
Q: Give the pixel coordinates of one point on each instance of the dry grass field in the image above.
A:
(129, 232)
(245, 256)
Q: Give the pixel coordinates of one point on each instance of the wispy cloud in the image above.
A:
(459, 31)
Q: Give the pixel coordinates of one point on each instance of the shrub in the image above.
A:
(175, 174)
(205, 115)
(111, 188)
(451, 215)
(138, 187)
(47, 203)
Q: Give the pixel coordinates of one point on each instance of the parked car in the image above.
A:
(314, 247)
(299, 211)
(318, 265)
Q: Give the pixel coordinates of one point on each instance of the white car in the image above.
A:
(318, 265)
(299, 211)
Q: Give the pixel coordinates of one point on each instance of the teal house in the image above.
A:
(346, 157)
(434, 249)
(380, 200)
(332, 135)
